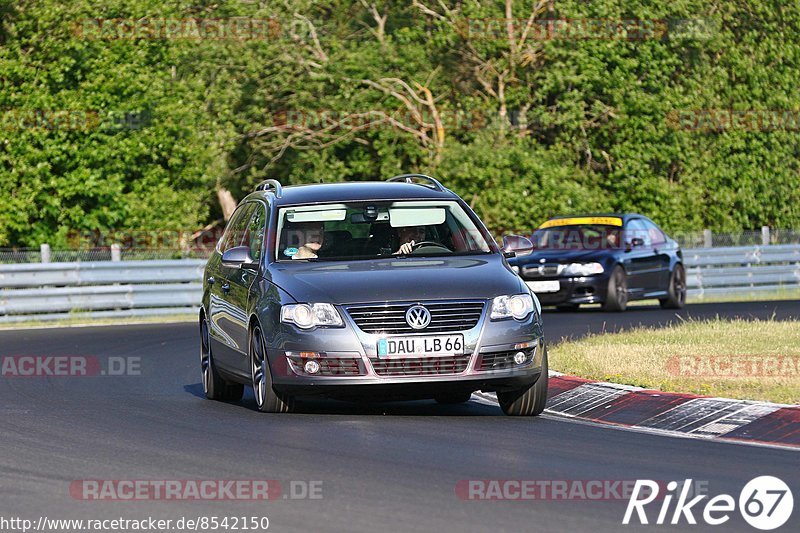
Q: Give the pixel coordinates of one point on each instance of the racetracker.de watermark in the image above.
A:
(353, 120)
(193, 29)
(717, 120)
(555, 489)
(585, 29)
(68, 366)
(734, 366)
(194, 489)
(72, 120)
(191, 240)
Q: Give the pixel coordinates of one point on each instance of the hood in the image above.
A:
(413, 278)
(560, 256)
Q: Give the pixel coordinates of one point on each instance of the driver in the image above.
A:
(408, 236)
(312, 236)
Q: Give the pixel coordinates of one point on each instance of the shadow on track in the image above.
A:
(325, 406)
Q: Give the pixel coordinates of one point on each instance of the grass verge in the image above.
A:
(749, 360)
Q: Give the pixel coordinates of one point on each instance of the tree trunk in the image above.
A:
(227, 202)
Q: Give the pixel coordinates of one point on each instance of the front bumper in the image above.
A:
(575, 290)
(350, 366)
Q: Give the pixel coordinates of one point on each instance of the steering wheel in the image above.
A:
(420, 244)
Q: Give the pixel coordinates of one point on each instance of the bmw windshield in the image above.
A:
(372, 230)
(578, 237)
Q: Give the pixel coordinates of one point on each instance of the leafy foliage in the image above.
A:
(523, 128)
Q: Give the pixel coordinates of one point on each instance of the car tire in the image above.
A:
(453, 398)
(676, 293)
(617, 294)
(214, 386)
(529, 401)
(267, 400)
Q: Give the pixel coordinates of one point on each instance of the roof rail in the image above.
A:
(432, 183)
(274, 184)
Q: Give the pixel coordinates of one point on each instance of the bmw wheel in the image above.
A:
(676, 294)
(617, 294)
(267, 400)
(214, 386)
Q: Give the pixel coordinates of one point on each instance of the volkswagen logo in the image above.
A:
(418, 317)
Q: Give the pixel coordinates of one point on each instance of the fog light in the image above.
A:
(311, 367)
(520, 357)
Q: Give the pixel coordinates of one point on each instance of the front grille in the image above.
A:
(427, 366)
(391, 319)
(331, 366)
(501, 360)
(549, 270)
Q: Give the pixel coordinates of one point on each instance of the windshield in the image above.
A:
(373, 230)
(579, 237)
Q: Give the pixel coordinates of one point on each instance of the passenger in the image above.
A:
(312, 237)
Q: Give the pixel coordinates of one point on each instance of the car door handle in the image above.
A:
(211, 280)
(226, 287)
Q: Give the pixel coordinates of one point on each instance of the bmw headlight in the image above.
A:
(307, 316)
(583, 269)
(518, 306)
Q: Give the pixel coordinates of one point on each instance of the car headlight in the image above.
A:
(306, 316)
(518, 306)
(583, 269)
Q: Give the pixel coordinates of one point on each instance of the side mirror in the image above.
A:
(516, 245)
(239, 257)
(634, 243)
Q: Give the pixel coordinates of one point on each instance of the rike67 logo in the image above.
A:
(765, 503)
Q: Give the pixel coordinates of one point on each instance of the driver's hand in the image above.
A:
(406, 248)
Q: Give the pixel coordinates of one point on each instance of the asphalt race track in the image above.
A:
(383, 467)
(593, 320)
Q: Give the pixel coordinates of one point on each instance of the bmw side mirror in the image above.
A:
(514, 245)
(634, 243)
(239, 257)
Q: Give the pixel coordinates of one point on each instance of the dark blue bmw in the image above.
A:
(607, 259)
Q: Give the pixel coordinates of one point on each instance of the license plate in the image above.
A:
(423, 346)
(544, 286)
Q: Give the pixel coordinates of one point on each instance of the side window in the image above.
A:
(236, 227)
(637, 229)
(656, 235)
(255, 232)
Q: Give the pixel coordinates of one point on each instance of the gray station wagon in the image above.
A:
(387, 290)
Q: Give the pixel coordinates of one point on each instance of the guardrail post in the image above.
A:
(44, 249)
(116, 253)
(707, 238)
(765, 235)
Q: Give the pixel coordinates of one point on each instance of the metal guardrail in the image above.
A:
(742, 269)
(50, 291)
(101, 272)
